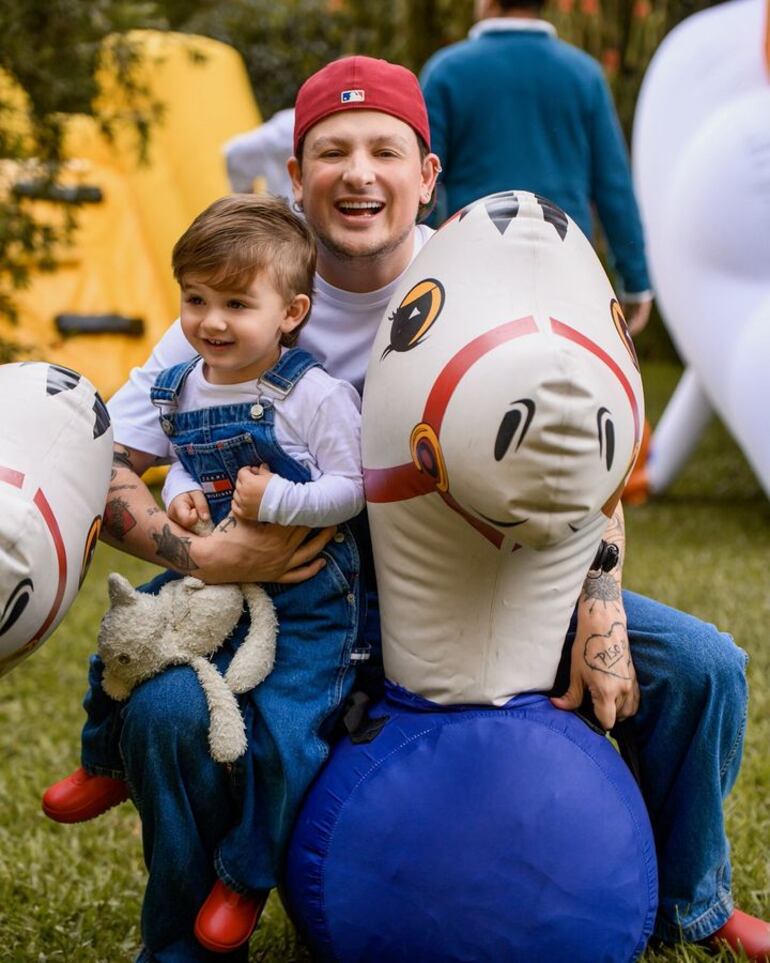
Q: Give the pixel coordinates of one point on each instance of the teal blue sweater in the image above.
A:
(521, 109)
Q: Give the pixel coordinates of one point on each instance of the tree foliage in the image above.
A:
(49, 50)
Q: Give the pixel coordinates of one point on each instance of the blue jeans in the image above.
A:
(688, 736)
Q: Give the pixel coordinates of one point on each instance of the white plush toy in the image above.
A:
(183, 624)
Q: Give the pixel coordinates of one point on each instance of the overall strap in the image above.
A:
(169, 383)
(288, 370)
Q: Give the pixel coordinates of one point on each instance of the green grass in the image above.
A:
(705, 548)
(74, 893)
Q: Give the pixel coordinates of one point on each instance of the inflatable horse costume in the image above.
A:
(55, 461)
(502, 415)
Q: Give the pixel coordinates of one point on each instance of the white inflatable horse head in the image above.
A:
(502, 415)
(55, 460)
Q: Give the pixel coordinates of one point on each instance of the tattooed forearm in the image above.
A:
(608, 652)
(118, 519)
(603, 588)
(616, 534)
(174, 549)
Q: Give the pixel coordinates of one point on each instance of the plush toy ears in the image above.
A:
(120, 590)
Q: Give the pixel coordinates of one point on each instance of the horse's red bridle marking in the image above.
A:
(407, 481)
(16, 478)
(565, 331)
(11, 476)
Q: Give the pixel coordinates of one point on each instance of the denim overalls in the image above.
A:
(289, 717)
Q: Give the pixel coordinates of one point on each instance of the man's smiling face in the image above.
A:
(361, 182)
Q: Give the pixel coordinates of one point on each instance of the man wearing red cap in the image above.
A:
(362, 172)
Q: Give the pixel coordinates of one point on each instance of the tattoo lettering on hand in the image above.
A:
(601, 588)
(230, 522)
(121, 488)
(608, 652)
(153, 511)
(174, 549)
(118, 520)
(121, 458)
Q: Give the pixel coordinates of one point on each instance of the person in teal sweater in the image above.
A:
(515, 107)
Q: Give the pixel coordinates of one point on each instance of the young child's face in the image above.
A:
(237, 333)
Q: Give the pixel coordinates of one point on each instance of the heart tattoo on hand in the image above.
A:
(608, 652)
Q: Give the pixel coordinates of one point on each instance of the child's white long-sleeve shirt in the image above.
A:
(318, 423)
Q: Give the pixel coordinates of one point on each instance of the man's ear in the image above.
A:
(296, 312)
(431, 168)
(295, 173)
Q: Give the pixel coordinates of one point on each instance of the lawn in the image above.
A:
(73, 893)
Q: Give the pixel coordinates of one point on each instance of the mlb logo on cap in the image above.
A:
(350, 96)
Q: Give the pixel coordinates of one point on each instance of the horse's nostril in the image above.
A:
(514, 426)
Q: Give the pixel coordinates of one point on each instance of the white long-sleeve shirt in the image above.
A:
(318, 424)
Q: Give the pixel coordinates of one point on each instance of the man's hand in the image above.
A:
(601, 664)
(601, 656)
(637, 314)
(239, 551)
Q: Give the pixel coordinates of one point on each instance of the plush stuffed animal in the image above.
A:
(184, 624)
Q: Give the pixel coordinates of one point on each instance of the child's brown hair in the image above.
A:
(240, 236)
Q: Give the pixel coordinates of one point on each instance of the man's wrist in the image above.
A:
(637, 297)
(200, 551)
(597, 617)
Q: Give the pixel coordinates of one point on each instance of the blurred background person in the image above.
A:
(262, 153)
(515, 107)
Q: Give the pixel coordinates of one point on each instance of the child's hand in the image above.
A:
(250, 486)
(188, 509)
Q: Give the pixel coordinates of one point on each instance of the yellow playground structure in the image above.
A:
(112, 294)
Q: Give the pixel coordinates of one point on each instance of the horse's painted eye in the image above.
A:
(416, 314)
(514, 426)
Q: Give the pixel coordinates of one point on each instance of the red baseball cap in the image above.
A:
(361, 83)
